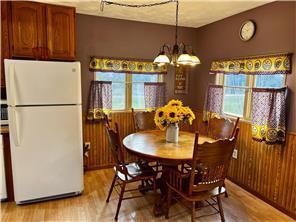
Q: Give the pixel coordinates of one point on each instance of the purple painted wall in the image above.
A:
(276, 32)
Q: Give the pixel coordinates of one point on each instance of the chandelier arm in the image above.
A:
(186, 47)
(182, 46)
(190, 47)
(166, 46)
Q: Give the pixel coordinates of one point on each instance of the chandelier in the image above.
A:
(175, 55)
(178, 54)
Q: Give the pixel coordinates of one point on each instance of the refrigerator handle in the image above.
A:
(12, 83)
(14, 124)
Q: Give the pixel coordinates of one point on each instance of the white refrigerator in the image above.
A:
(45, 125)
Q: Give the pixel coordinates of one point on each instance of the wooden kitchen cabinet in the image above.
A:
(42, 31)
(5, 51)
(32, 30)
(27, 28)
(61, 33)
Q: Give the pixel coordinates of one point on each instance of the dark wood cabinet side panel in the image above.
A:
(5, 51)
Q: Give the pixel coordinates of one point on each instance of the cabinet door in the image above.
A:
(61, 35)
(27, 28)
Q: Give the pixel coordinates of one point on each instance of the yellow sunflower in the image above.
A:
(175, 102)
(188, 114)
(172, 115)
(160, 118)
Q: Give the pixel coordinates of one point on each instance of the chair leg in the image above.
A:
(193, 212)
(111, 188)
(220, 208)
(168, 202)
(226, 194)
(120, 200)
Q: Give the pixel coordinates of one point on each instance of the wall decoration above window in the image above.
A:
(125, 66)
(247, 30)
(181, 80)
(269, 114)
(255, 65)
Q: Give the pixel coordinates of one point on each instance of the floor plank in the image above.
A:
(91, 206)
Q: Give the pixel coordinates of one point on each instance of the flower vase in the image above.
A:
(172, 133)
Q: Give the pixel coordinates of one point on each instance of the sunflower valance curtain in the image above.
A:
(125, 66)
(256, 65)
(269, 114)
(99, 100)
(154, 94)
(213, 102)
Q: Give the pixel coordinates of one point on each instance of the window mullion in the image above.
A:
(248, 96)
(219, 79)
(128, 91)
(160, 78)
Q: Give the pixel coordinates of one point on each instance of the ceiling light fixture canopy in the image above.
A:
(167, 54)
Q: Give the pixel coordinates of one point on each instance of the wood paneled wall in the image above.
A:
(100, 153)
(268, 171)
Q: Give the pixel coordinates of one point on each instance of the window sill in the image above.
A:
(127, 110)
(246, 120)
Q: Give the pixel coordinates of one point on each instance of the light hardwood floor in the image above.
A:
(91, 206)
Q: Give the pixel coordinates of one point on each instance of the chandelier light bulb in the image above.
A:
(162, 59)
(195, 60)
(184, 59)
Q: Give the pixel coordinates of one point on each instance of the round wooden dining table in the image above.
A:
(151, 145)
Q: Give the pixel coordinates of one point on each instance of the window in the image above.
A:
(238, 91)
(127, 89)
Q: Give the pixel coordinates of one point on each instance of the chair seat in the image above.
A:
(199, 196)
(136, 172)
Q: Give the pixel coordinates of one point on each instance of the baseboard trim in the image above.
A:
(275, 205)
(98, 167)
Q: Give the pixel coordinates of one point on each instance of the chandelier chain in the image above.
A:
(106, 2)
(110, 2)
(177, 19)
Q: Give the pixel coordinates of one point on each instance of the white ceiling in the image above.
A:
(193, 13)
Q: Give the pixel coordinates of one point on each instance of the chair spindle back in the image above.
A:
(143, 120)
(116, 147)
(210, 164)
(221, 128)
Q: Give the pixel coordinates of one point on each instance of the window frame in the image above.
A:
(250, 84)
(129, 88)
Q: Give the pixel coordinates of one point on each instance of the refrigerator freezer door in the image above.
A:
(42, 82)
(46, 151)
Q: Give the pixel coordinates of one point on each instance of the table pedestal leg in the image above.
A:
(161, 203)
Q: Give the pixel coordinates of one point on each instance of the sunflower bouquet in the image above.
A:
(172, 114)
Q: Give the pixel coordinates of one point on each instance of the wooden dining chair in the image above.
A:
(144, 120)
(210, 163)
(126, 173)
(221, 128)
